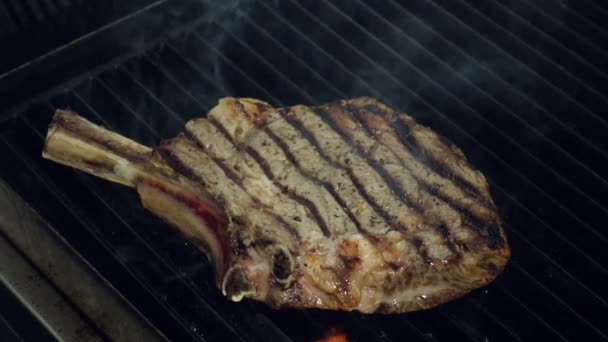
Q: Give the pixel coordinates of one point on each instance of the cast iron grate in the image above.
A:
(520, 86)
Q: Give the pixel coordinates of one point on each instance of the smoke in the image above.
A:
(418, 57)
(173, 64)
(403, 55)
(411, 55)
(229, 18)
(151, 25)
(426, 61)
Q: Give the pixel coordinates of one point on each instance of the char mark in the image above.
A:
(231, 175)
(419, 244)
(403, 132)
(285, 148)
(388, 179)
(488, 228)
(431, 160)
(390, 221)
(292, 159)
(302, 200)
(176, 164)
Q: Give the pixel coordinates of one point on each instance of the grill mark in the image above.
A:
(263, 163)
(442, 228)
(469, 219)
(418, 243)
(257, 120)
(262, 107)
(291, 158)
(390, 221)
(464, 212)
(419, 152)
(318, 182)
(302, 200)
(429, 159)
(489, 230)
(169, 157)
(244, 111)
(388, 179)
(486, 228)
(285, 149)
(175, 162)
(491, 233)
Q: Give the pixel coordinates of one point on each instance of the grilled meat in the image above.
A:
(349, 205)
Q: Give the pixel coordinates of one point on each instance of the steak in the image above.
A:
(349, 205)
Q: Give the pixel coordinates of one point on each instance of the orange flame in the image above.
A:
(333, 336)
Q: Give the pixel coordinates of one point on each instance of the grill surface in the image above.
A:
(29, 28)
(521, 86)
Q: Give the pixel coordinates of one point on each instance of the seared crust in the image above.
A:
(347, 206)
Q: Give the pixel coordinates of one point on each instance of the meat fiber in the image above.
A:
(349, 205)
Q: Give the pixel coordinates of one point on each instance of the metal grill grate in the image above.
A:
(30, 29)
(520, 86)
(22, 14)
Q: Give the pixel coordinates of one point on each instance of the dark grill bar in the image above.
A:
(520, 86)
